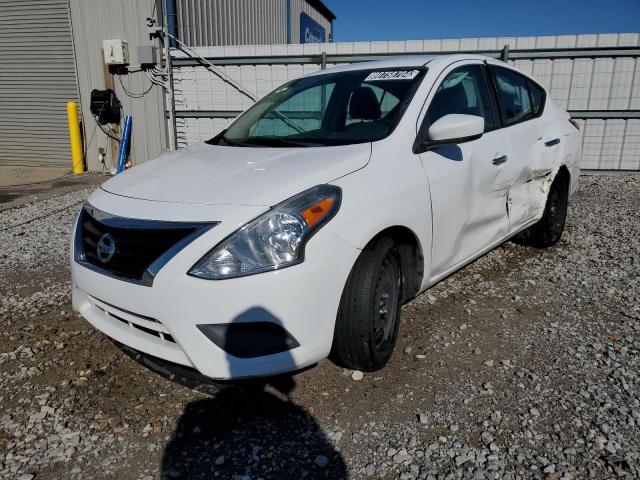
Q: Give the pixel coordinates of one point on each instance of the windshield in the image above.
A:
(331, 109)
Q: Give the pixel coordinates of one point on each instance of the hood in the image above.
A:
(217, 175)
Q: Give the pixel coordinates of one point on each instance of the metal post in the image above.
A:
(504, 55)
(288, 21)
(323, 61)
(173, 132)
(74, 137)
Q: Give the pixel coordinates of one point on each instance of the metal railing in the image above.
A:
(323, 58)
(599, 85)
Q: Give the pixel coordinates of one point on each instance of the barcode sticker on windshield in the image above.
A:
(392, 75)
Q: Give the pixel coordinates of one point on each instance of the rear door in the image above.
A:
(468, 182)
(521, 104)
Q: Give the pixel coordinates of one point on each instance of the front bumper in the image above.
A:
(162, 320)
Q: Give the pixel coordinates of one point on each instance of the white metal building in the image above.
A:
(52, 53)
(247, 22)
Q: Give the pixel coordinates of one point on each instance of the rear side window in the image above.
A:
(463, 90)
(537, 97)
(519, 97)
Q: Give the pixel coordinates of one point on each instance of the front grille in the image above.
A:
(138, 243)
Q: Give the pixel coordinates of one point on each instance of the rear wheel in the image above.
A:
(548, 230)
(369, 314)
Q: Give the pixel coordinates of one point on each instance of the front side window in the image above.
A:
(331, 109)
(463, 90)
(515, 101)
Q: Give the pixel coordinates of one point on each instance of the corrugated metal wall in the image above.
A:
(97, 20)
(586, 85)
(298, 6)
(37, 79)
(241, 22)
(231, 22)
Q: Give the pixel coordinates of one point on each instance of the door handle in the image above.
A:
(551, 143)
(499, 160)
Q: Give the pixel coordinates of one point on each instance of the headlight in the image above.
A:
(274, 240)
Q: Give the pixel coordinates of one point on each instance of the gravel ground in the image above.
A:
(522, 365)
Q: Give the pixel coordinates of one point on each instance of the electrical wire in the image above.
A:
(55, 212)
(104, 131)
(134, 94)
(154, 80)
(88, 145)
(157, 82)
(153, 75)
(161, 71)
(116, 134)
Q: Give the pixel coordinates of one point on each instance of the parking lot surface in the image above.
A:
(525, 364)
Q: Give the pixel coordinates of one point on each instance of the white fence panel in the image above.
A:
(602, 89)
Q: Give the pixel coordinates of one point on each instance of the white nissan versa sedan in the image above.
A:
(299, 231)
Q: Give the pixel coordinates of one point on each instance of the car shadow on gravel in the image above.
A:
(250, 431)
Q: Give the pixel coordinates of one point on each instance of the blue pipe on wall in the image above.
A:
(124, 144)
(172, 20)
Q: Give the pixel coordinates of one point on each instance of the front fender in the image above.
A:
(392, 190)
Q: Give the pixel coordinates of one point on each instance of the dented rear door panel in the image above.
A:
(525, 139)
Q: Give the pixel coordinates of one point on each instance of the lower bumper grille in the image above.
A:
(147, 325)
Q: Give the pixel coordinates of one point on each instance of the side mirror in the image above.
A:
(456, 127)
(452, 128)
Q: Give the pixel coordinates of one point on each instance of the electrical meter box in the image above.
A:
(116, 52)
(147, 55)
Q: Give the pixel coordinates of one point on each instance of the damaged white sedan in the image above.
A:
(299, 231)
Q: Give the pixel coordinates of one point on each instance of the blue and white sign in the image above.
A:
(310, 30)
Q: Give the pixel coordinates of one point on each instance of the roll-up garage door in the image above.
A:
(37, 79)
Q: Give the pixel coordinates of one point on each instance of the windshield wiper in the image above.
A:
(221, 139)
(232, 143)
(278, 142)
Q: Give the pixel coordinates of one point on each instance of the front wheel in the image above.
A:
(369, 314)
(548, 230)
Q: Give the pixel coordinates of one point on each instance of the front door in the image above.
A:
(469, 182)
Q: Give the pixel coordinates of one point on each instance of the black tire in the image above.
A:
(369, 314)
(548, 230)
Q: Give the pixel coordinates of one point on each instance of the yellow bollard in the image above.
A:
(74, 137)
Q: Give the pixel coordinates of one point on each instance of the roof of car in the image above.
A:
(404, 61)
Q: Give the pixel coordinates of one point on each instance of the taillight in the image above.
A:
(574, 123)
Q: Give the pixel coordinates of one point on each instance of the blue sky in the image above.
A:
(364, 20)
